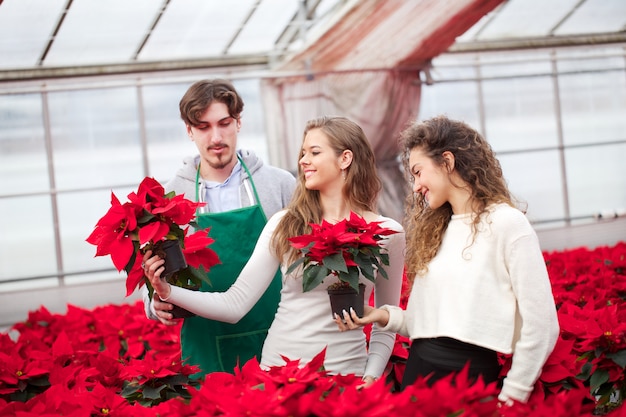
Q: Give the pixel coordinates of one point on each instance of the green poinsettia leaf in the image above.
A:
(618, 357)
(41, 381)
(133, 257)
(130, 389)
(146, 217)
(173, 381)
(585, 371)
(197, 275)
(305, 250)
(294, 265)
(313, 275)
(598, 378)
(382, 272)
(176, 233)
(366, 266)
(336, 262)
(379, 267)
(351, 277)
(152, 393)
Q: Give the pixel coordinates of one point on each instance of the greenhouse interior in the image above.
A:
(89, 96)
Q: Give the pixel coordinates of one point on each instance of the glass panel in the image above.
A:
(454, 67)
(252, 135)
(458, 101)
(594, 16)
(535, 179)
(96, 138)
(34, 284)
(596, 178)
(30, 249)
(520, 113)
(598, 59)
(78, 214)
(257, 35)
(23, 161)
(201, 34)
(517, 63)
(25, 29)
(168, 142)
(83, 279)
(527, 18)
(593, 107)
(102, 32)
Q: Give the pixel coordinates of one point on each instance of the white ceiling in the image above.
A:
(41, 34)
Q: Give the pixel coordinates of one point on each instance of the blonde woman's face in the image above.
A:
(319, 164)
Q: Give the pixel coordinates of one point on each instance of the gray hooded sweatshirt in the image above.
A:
(274, 185)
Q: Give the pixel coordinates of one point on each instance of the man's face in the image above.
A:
(216, 136)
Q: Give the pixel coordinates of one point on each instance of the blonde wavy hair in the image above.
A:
(360, 189)
(474, 162)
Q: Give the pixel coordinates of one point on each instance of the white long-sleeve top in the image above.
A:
(303, 325)
(494, 293)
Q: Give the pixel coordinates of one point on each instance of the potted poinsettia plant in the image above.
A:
(344, 250)
(154, 220)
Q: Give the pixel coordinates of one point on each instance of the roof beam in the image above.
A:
(538, 42)
(93, 70)
(152, 27)
(66, 9)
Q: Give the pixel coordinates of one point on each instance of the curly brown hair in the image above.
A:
(474, 162)
(204, 92)
(360, 189)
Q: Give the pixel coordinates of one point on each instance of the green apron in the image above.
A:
(221, 347)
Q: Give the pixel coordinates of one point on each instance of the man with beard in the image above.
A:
(240, 193)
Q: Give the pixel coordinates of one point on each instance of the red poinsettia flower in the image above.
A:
(87, 362)
(346, 249)
(18, 367)
(113, 233)
(135, 277)
(197, 251)
(151, 216)
(178, 208)
(153, 232)
(294, 373)
(107, 403)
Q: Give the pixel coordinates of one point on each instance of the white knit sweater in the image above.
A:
(303, 325)
(494, 293)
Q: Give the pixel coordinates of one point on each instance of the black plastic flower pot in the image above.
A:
(172, 253)
(181, 313)
(344, 298)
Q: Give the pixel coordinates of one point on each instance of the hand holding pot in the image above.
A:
(164, 311)
(153, 268)
(350, 320)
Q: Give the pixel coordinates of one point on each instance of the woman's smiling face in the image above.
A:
(319, 163)
(429, 179)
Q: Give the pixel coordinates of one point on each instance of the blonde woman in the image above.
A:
(336, 176)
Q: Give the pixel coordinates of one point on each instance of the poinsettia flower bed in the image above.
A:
(112, 361)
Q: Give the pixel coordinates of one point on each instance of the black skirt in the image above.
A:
(439, 357)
